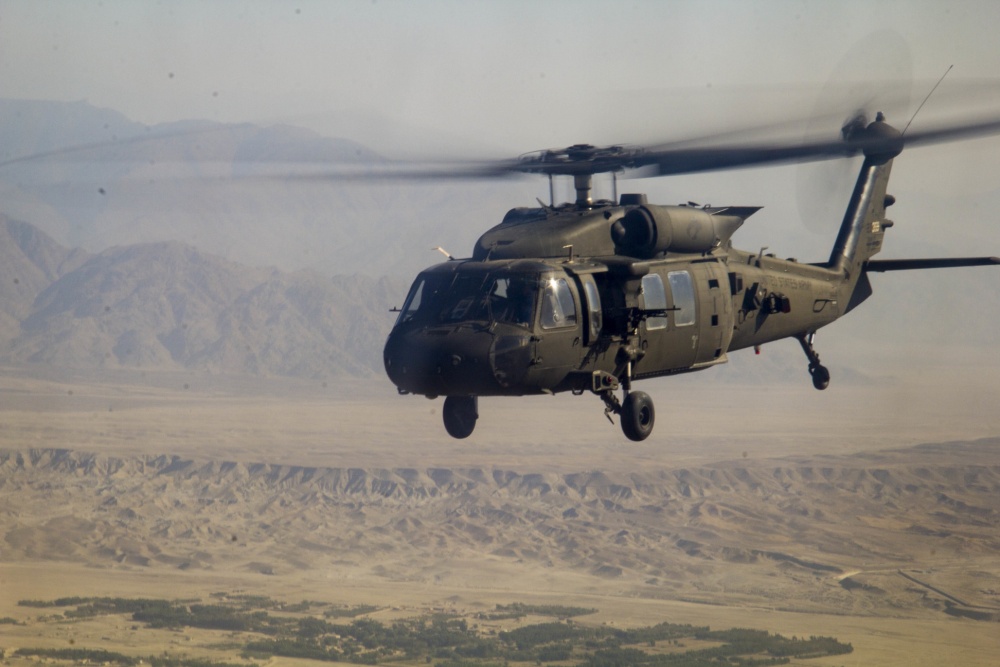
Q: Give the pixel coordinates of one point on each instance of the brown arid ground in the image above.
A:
(868, 513)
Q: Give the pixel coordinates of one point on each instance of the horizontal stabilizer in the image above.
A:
(738, 211)
(932, 263)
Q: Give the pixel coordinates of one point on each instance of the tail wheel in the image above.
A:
(637, 416)
(460, 415)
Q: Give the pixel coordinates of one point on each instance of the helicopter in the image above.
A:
(593, 295)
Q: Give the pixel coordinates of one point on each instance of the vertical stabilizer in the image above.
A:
(864, 224)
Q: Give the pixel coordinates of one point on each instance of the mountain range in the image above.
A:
(168, 306)
(96, 179)
(132, 245)
(862, 535)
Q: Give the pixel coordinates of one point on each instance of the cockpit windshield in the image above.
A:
(438, 298)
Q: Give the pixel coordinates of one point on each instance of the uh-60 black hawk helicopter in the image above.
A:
(591, 296)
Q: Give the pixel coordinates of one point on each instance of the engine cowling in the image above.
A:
(648, 231)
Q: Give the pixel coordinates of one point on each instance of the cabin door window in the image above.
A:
(654, 298)
(683, 290)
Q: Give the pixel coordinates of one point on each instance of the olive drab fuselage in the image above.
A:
(587, 320)
(592, 296)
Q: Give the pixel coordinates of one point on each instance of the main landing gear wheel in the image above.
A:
(820, 376)
(637, 415)
(460, 414)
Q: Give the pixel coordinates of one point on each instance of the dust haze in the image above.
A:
(179, 484)
(192, 400)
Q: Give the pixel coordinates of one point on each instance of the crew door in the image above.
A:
(714, 321)
(559, 337)
(670, 341)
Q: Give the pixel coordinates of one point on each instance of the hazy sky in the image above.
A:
(513, 75)
(502, 78)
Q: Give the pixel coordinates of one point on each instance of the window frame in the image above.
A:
(595, 316)
(654, 297)
(562, 295)
(685, 299)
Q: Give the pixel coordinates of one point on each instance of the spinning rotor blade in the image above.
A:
(691, 160)
(684, 158)
(875, 74)
(582, 160)
(388, 171)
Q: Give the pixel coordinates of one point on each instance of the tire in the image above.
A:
(637, 416)
(460, 414)
(820, 376)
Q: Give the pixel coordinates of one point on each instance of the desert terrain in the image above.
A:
(781, 509)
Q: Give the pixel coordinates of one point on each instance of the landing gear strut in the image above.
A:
(820, 374)
(635, 409)
(460, 414)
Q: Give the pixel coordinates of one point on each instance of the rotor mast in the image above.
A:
(583, 183)
(581, 161)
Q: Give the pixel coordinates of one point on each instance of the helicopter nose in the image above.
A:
(436, 363)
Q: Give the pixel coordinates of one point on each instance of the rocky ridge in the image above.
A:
(168, 306)
(754, 530)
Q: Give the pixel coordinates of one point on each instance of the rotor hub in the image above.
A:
(579, 159)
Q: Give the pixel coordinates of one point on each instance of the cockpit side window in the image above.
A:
(558, 307)
(593, 308)
(412, 303)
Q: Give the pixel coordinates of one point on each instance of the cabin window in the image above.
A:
(683, 291)
(654, 298)
(558, 308)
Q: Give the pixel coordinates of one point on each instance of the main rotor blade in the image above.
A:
(152, 134)
(952, 133)
(688, 160)
(683, 158)
(387, 171)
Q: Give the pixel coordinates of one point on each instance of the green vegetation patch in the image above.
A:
(520, 610)
(350, 612)
(100, 656)
(442, 640)
(98, 606)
